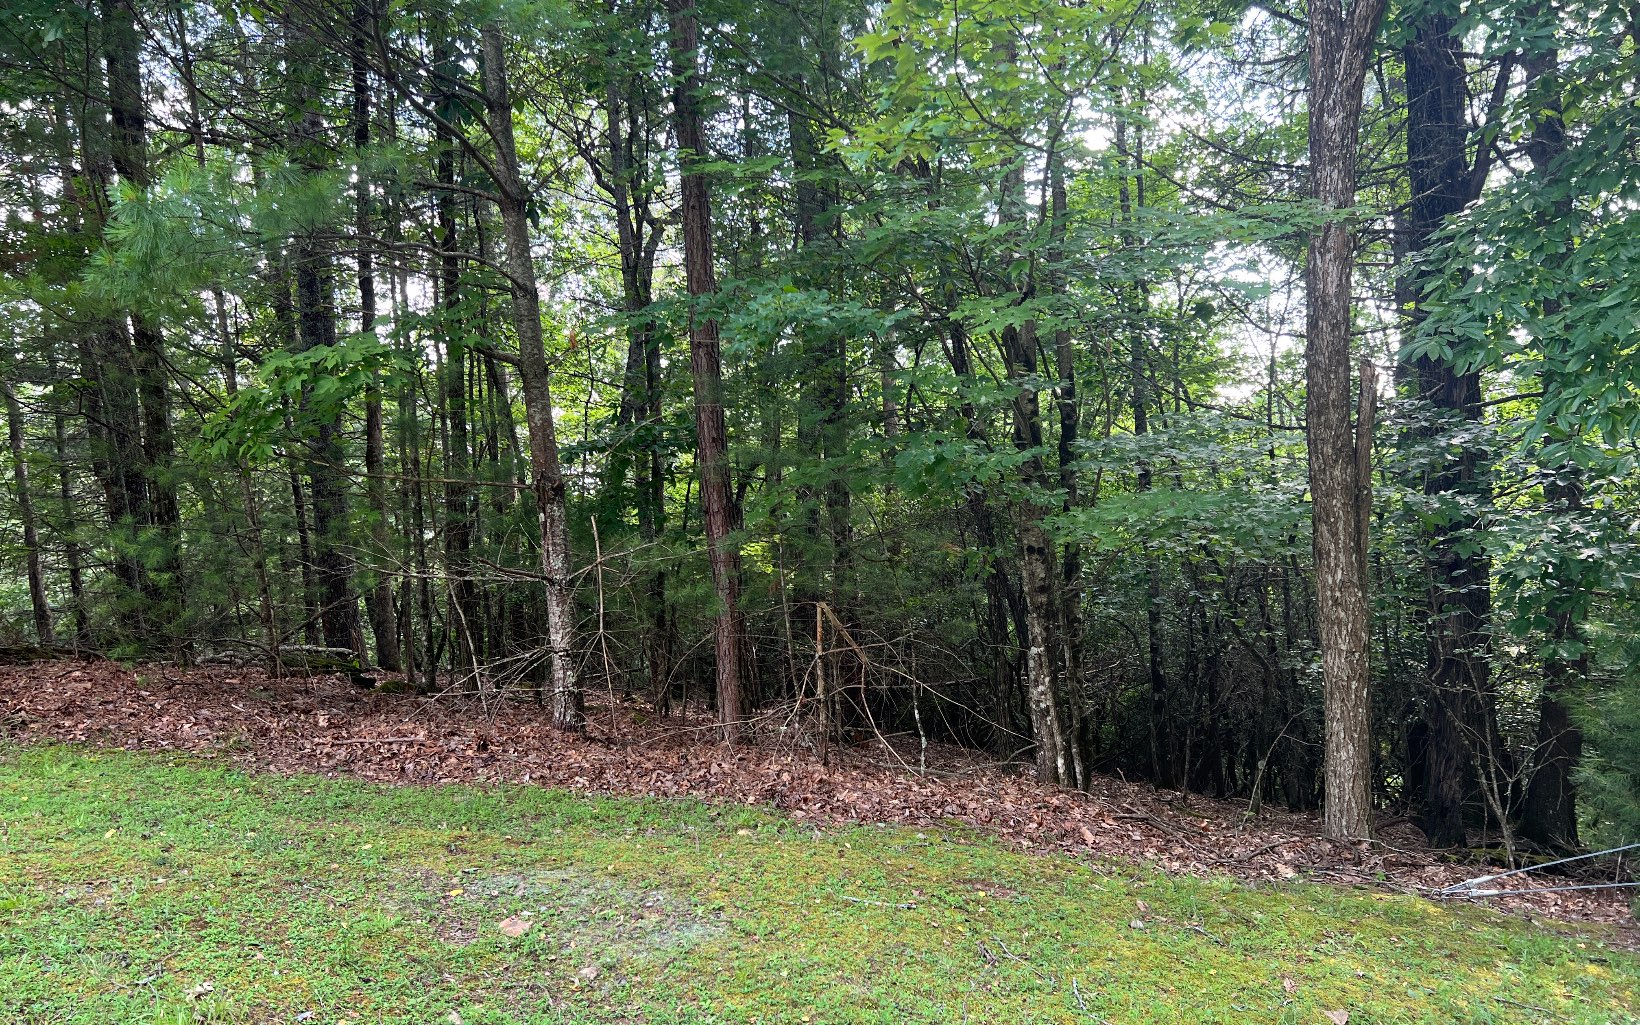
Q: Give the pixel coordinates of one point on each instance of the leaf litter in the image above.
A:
(327, 725)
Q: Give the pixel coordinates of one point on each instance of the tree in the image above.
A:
(1442, 182)
(706, 364)
(548, 475)
(992, 311)
(38, 600)
(1340, 46)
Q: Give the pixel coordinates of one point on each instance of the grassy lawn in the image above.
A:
(147, 888)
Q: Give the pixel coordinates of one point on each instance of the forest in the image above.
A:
(1236, 396)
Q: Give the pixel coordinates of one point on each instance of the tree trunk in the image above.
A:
(826, 365)
(129, 153)
(68, 527)
(332, 566)
(1165, 769)
(312, 268)
(38, 601)
(1070, 421)
(379, 601)
(566, 706)
(312, 602)
(113, 411)
(1551, 796)
(256, 549)
(1459, 581)
(1340, 44)
(999, 597)
(638, 238)
(1039, 570)
(452, 374)
(706, 364)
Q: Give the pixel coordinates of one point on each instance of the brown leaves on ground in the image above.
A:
(327, 725)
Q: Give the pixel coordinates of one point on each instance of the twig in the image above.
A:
(906, 906)
(1050, 980)
(1204, 932)
(1084, 1007)
(1529, 1007)
(371, 740)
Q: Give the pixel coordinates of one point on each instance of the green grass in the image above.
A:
(128, 882)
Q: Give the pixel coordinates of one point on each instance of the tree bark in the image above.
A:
(1165, 768)
(1458, 580)
(332, 566)
(1551, 796)
(830, 527)
(1340, 45)
(566, 708)
(706, 364)
(638, 238)
(129, 153)
(1038, 564)
(379, 602)
(314, 274)
(255, 548)
(38, 601)
(1070, 421)
(459, 507)
(68, 525)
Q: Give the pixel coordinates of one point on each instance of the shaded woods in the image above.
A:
(1087, 386)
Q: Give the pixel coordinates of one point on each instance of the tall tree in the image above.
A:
(1340, 47)
(706, 362)
(127, 109)
(379, 601)
(512, 199)
(313, 268)
(1442, 182)
(39, 603)
(1550, 815)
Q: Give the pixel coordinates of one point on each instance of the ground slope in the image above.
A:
(165, 888)
(328, 726)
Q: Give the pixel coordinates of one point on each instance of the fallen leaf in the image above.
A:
(1338, 1017)
(589, 973)
(200, 990)
(202, 706)
(1289, 985)
(514, 926)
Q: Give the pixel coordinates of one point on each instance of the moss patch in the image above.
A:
(150, 888)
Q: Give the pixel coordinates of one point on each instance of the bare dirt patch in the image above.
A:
(584, 913)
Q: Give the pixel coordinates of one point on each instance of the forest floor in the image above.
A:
(134, 887)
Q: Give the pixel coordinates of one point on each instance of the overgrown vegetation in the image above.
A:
(927, 365)
(152, 888)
